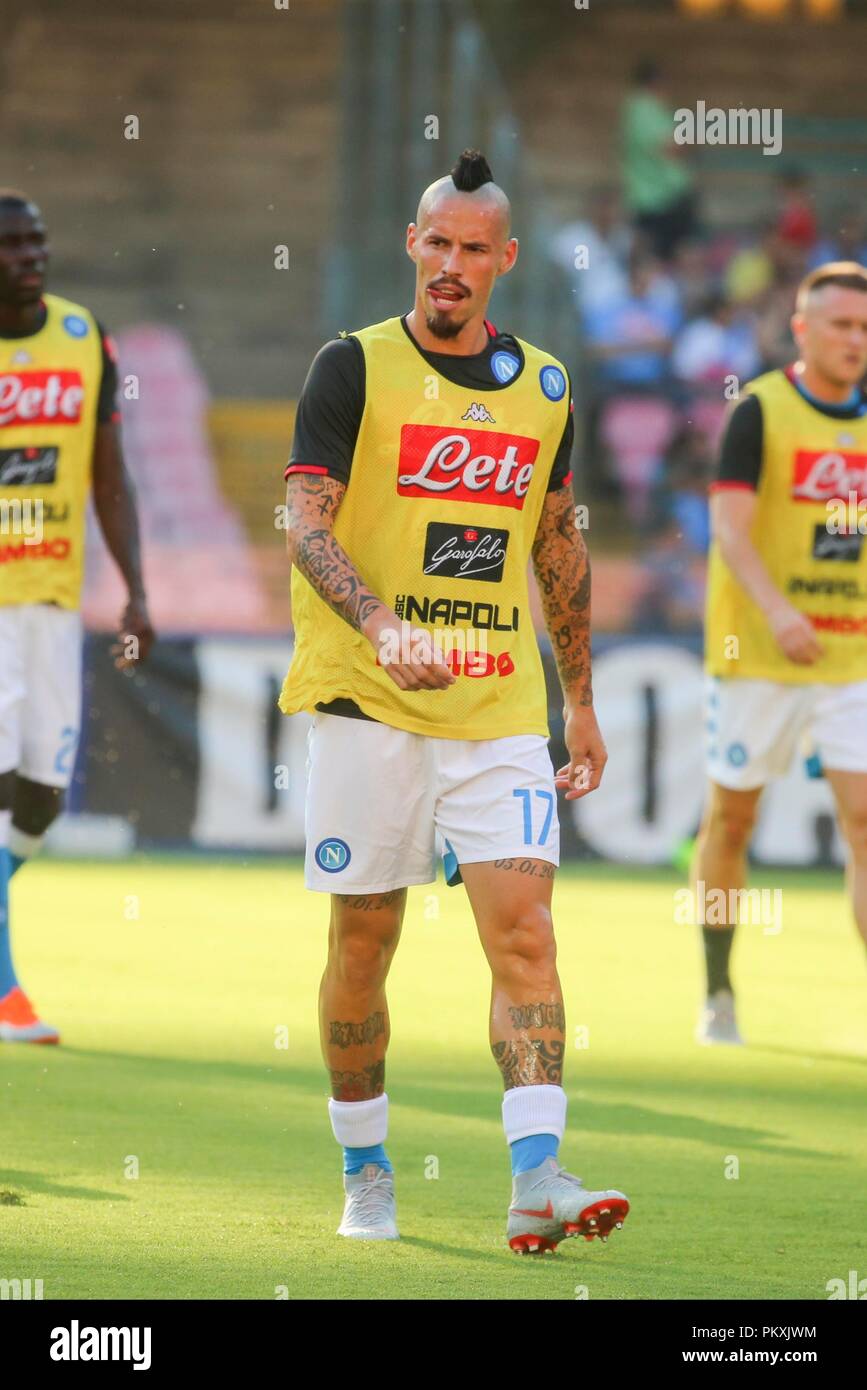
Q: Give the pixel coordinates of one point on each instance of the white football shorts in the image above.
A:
(384, 804)
(753, 728)
(40, 691)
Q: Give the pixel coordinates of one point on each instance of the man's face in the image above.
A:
(23, 254)
(831, 334)
(459, 251)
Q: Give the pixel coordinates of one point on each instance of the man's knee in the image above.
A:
(731, 819)
(854, 826)
(525, 951)
(364, 936)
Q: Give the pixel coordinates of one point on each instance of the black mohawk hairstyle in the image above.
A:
(471, 170)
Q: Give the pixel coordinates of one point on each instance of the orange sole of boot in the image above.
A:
(532, 1245)
(599, 1219)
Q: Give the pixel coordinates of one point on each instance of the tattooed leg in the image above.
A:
(353, 1012)
(528, 1024)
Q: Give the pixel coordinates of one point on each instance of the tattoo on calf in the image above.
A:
(529, 1062)
(359, 1085)
(538, 1016)
(357, 1034)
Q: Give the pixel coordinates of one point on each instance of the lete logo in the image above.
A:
(473, 465)
(41, 398)
(821, 477)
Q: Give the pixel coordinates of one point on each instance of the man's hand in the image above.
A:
(135, 636)
(405, 653)
(587, 753)
(795, 635)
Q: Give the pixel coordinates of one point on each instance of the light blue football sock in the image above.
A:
(530, 1152)
(8, 978)
(355, 1159)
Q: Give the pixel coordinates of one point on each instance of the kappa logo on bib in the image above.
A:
(473, 465)
(332, 855)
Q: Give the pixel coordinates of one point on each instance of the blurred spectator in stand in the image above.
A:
(763, 278)
(629, 416)
(658, 184)
(847, 242)
(688, 469)
(774, 334)
(595, 250)
(693, 275)
(629, 337)
(753, 269)
(672, 598)
(796, 223)
(720, 343)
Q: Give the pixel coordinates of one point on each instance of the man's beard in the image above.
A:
(442, 326)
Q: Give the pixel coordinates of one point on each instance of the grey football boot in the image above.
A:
(369, 1213)
(549, 1204)
(717, 1023)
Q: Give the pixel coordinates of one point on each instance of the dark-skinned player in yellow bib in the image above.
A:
(59, 446)
(786, 632)
(430, 464)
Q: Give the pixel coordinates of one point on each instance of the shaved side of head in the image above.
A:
(471, 179)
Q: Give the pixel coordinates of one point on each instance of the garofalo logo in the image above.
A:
(737, 126)
(77, 1343)
(465, 552)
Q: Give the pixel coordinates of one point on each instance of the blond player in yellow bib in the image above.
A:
(786, 634)
(430, 464)
(58, 444)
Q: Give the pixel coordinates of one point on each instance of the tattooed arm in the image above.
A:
(562, 568)
(312, 502)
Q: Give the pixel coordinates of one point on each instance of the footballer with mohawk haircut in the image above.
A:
(410, 505)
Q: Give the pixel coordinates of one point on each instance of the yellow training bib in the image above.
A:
(808, 461)
(439, 517)
(49, 389)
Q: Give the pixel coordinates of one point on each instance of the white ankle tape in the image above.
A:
(534, 1110)
(357, 1124)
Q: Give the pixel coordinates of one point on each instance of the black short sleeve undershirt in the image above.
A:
(330, 408)
(106, 407)
(740, 455)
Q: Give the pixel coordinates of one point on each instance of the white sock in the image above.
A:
(25, 846)
(359, 1124)
(534, 1110)
(5, 822)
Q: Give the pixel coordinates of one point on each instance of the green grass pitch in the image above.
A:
(172, 980)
